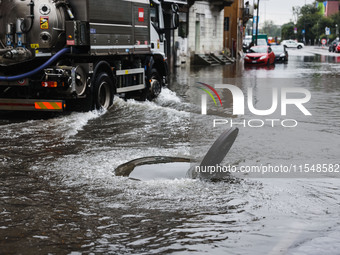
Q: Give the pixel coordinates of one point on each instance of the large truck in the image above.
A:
(57, 55)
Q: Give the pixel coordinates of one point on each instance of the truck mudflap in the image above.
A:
(32, 105)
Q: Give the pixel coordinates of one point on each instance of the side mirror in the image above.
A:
(175, 16)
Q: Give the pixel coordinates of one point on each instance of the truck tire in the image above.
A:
(154, 86)
(103, 92)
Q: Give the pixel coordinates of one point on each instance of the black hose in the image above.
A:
(3, 51)
(38, 69)
(23, 26)
(66, 6)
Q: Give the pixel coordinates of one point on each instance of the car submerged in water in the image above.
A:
(281, 53)
(337, 48)
(260, 55)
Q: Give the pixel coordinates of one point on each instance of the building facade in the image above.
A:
(328, 8)
(200, 31)
(209, 26)
(206, 28)
(234, 27)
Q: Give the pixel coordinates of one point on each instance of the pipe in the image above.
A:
(38, 69)
(4, 51)
(23, 27)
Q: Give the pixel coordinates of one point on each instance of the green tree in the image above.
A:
(287, 31)
(319, 27)
(309, 18)
(270, 29)
(336, 21)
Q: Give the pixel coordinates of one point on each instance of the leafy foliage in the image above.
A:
(310, 19)
(270, 29)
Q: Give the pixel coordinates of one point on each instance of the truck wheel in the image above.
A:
(154, 86)
(103, 92)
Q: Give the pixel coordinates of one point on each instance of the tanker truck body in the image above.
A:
(57, 55)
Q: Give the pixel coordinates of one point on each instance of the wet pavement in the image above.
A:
(59, 194)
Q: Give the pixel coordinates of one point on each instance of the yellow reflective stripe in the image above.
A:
(56, 106)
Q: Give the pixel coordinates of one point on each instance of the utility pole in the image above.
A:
(304, 31)
(304, 28)
(257, 21)
(318, 34)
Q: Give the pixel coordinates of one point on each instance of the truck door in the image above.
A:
(156, 29)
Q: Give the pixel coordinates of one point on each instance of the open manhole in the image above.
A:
(159, 167)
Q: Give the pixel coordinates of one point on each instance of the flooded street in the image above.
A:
(59, 193)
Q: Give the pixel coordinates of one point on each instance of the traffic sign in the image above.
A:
(303, 31)
(328, 31)
(323, 41)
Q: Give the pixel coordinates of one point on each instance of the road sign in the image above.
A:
(303, 31)
(327, 31)
(323, 41)
(295, 30)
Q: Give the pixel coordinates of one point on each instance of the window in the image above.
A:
(215, 26)
(154, 15)
(226, 23)
(202, 21)
(183, 25)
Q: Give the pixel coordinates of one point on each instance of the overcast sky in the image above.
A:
(279, 11)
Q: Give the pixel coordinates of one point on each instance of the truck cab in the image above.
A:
(156, 27)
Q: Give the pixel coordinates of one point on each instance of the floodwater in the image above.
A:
(59, 193)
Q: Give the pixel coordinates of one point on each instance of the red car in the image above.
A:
(337, 49)
(260, 55)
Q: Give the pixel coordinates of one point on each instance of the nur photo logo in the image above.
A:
(281, 99)
(207, 90)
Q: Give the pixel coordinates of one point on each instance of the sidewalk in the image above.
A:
(320, 50)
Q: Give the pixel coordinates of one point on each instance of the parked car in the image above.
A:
(260, 55)
(281, 53)
(292, 44)
(337, 49)
(333, 45)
